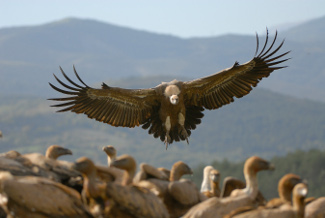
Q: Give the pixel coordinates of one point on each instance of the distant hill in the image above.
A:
(306, 72)
(106, 52)
(311, 31)
(263, 123)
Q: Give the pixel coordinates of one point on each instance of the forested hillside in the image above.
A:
(262, 123)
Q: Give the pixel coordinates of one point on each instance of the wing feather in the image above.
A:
(112, 105)
(73, 83)
(108, 111)
(94, 110)
(65, 85)
(219, 89)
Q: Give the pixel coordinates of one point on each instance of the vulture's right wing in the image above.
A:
(112, 105)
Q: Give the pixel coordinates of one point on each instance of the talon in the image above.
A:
(167, 140)
(184, 134)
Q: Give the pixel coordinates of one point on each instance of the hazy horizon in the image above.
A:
(183, 18)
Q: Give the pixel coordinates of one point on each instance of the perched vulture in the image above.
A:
(114, 200)
(285, 188)
(172, 109)
(58, 170)
(111, 153)
(218, 207)
(294, 210)
(178, 194)
(206, 185)
(36, 164)
(210, 184)
(30, 196)
(215, 180)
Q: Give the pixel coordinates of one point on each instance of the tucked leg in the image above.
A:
(181, 121)
(168, 127)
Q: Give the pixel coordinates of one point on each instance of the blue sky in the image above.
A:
(184, 18)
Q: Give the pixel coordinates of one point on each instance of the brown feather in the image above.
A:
(95, 102)
(30, 196)
(240, 78)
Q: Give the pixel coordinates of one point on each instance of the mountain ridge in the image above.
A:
(100, 51)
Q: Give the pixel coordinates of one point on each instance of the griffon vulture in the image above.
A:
(294, 210)
(172, 109)
(178, 194)
(285, 188)
(31, 196)
(111, 153)
(115, 200)
(218, 207)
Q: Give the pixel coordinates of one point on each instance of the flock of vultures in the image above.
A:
(38, 185)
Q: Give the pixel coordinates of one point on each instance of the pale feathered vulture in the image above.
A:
(172, 109)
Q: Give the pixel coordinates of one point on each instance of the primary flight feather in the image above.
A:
(170, 110)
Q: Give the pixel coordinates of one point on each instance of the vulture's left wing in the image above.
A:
(112, 105)
(220, 89)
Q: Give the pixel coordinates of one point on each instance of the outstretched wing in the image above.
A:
(112, 105)
(220, 89)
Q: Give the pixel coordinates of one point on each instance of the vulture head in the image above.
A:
(84, 165)
(110, 151)
(55, 151)
(215, 176)
(172, 92)
(178, 170)
(255, 164)
(127, 163)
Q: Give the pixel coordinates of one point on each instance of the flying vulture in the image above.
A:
(172, 109)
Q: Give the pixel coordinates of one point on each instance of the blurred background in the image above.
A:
(139, 44)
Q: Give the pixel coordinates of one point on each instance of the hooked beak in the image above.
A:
(173, 99)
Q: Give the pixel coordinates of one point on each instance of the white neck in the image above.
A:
(251, 188)
(205, 186)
